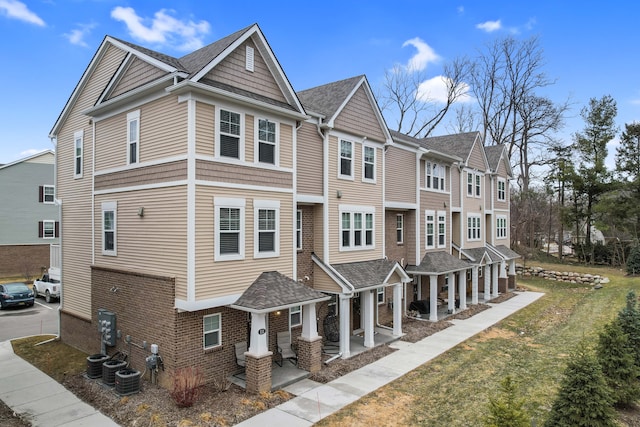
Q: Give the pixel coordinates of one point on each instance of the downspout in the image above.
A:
(59, 203)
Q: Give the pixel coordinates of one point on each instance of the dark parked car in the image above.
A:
(15, 294)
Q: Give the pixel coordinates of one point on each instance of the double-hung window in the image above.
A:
(356, 228)
(133, 137)
(46, 194)
(109, 228)
(299, 229)
(473, 227)
(212, 330)
(430, 226)
(266, 213)
(442, 229)
(501, 227)
(380, 295)
(267, 141)
(435, 176)
(502, 189)
(399, 228)
(346, 159)
(368, 163)
(48, 229)
(474, 185)
(229, 134)
(229, 228)
(478, 181)
(77, 153)
(470, 184)
(295, 316)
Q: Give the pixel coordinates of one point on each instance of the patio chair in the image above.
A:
(241, 349)
(285, 350)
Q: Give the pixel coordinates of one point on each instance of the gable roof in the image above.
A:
(495, 154)
(439, 262)
(27, 159)
(368, 274)
(458, 144)
(430, 149)
(273, 290)
(477, 255)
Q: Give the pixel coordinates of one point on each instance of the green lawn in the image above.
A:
(532, 346)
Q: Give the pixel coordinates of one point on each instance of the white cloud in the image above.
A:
(163, 28)
(423, 57)
(78, 35)
(490, 26)
(435, 90)
(18, 10)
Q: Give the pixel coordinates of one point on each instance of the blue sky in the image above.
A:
(590, 49)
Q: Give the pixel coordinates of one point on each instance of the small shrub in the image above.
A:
(187, 383)
(221, 383)
(506, 410)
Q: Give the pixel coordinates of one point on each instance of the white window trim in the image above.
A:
(431, 214)
(224, 202)
(499, 235)
(340, 174)
(53, 229)
(504, 190)
(110, 207)
(478, 228)
(256, 148)
(219, 330)
(295, 310)
(428, 183)
(380, 292)
(375, 159)
(364, 210)
(133, 116)
(78, 137)
(44, 194)
(443, 215)
(270, 205)
(400, 229)
(299, 229)
(477, 185)
(240, 137)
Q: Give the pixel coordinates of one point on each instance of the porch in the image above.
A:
(281, 376)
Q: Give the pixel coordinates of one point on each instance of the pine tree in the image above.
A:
(629, 319)
(633, 262)
(506, 410)
(584, 399)
(618, 364)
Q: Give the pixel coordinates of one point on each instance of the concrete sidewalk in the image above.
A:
(315, 401)
(39, 398)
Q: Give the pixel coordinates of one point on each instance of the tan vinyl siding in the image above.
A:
(318, 230)
(165, 172)
(220, 278)
(489, 191)
(502, 173)
(358, 117)
(476, 158)
(205, 129)
(237, 174)
(400, 185)
(232, 71)
(286, 145)
(455, 178)
(249, 138)
(76, 193)
(163, 133)
(138, 73)
(322, 281)
(310, 160)
(435, 201)
(154, 243)
(356, 193)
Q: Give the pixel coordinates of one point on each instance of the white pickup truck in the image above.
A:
(48, 286)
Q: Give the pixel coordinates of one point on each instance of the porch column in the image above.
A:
(433, 297)
(512, 274)
(309, 342)
(345, 319)
(397, 310)
(474, 284)
(494, 279)
(487, 282)
(258, 358)
(367, 305)
(463, 289)
(451, 293)
(503, 280)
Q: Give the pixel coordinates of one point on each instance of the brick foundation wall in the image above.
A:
(310, 354)
(502, 284)
(511, 280)
(79, 333)
(24, 260)
(258, 373)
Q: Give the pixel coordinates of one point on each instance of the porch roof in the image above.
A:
(439, 262)
(369, 274)
(273, 290)
(506, 252)
(476, 255)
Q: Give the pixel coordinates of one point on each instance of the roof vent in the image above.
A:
(249, 59)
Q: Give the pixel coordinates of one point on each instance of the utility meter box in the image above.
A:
(107, 326)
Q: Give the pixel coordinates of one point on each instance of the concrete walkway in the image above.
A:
(315, 401)
(44, 402)
(39, 398)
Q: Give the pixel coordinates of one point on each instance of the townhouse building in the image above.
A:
(205, 203)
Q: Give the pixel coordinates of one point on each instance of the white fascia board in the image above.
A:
(205, 304)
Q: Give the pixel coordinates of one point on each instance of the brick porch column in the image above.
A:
(258, 371)
(310, 354)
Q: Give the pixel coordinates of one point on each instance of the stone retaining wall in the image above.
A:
(561, 276)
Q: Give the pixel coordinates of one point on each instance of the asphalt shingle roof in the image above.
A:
(439, 262)
(459, 144)
(494, 152)
(326, 99)
(508, 253)
(363, 274)
(478, 253)
(273, 289)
